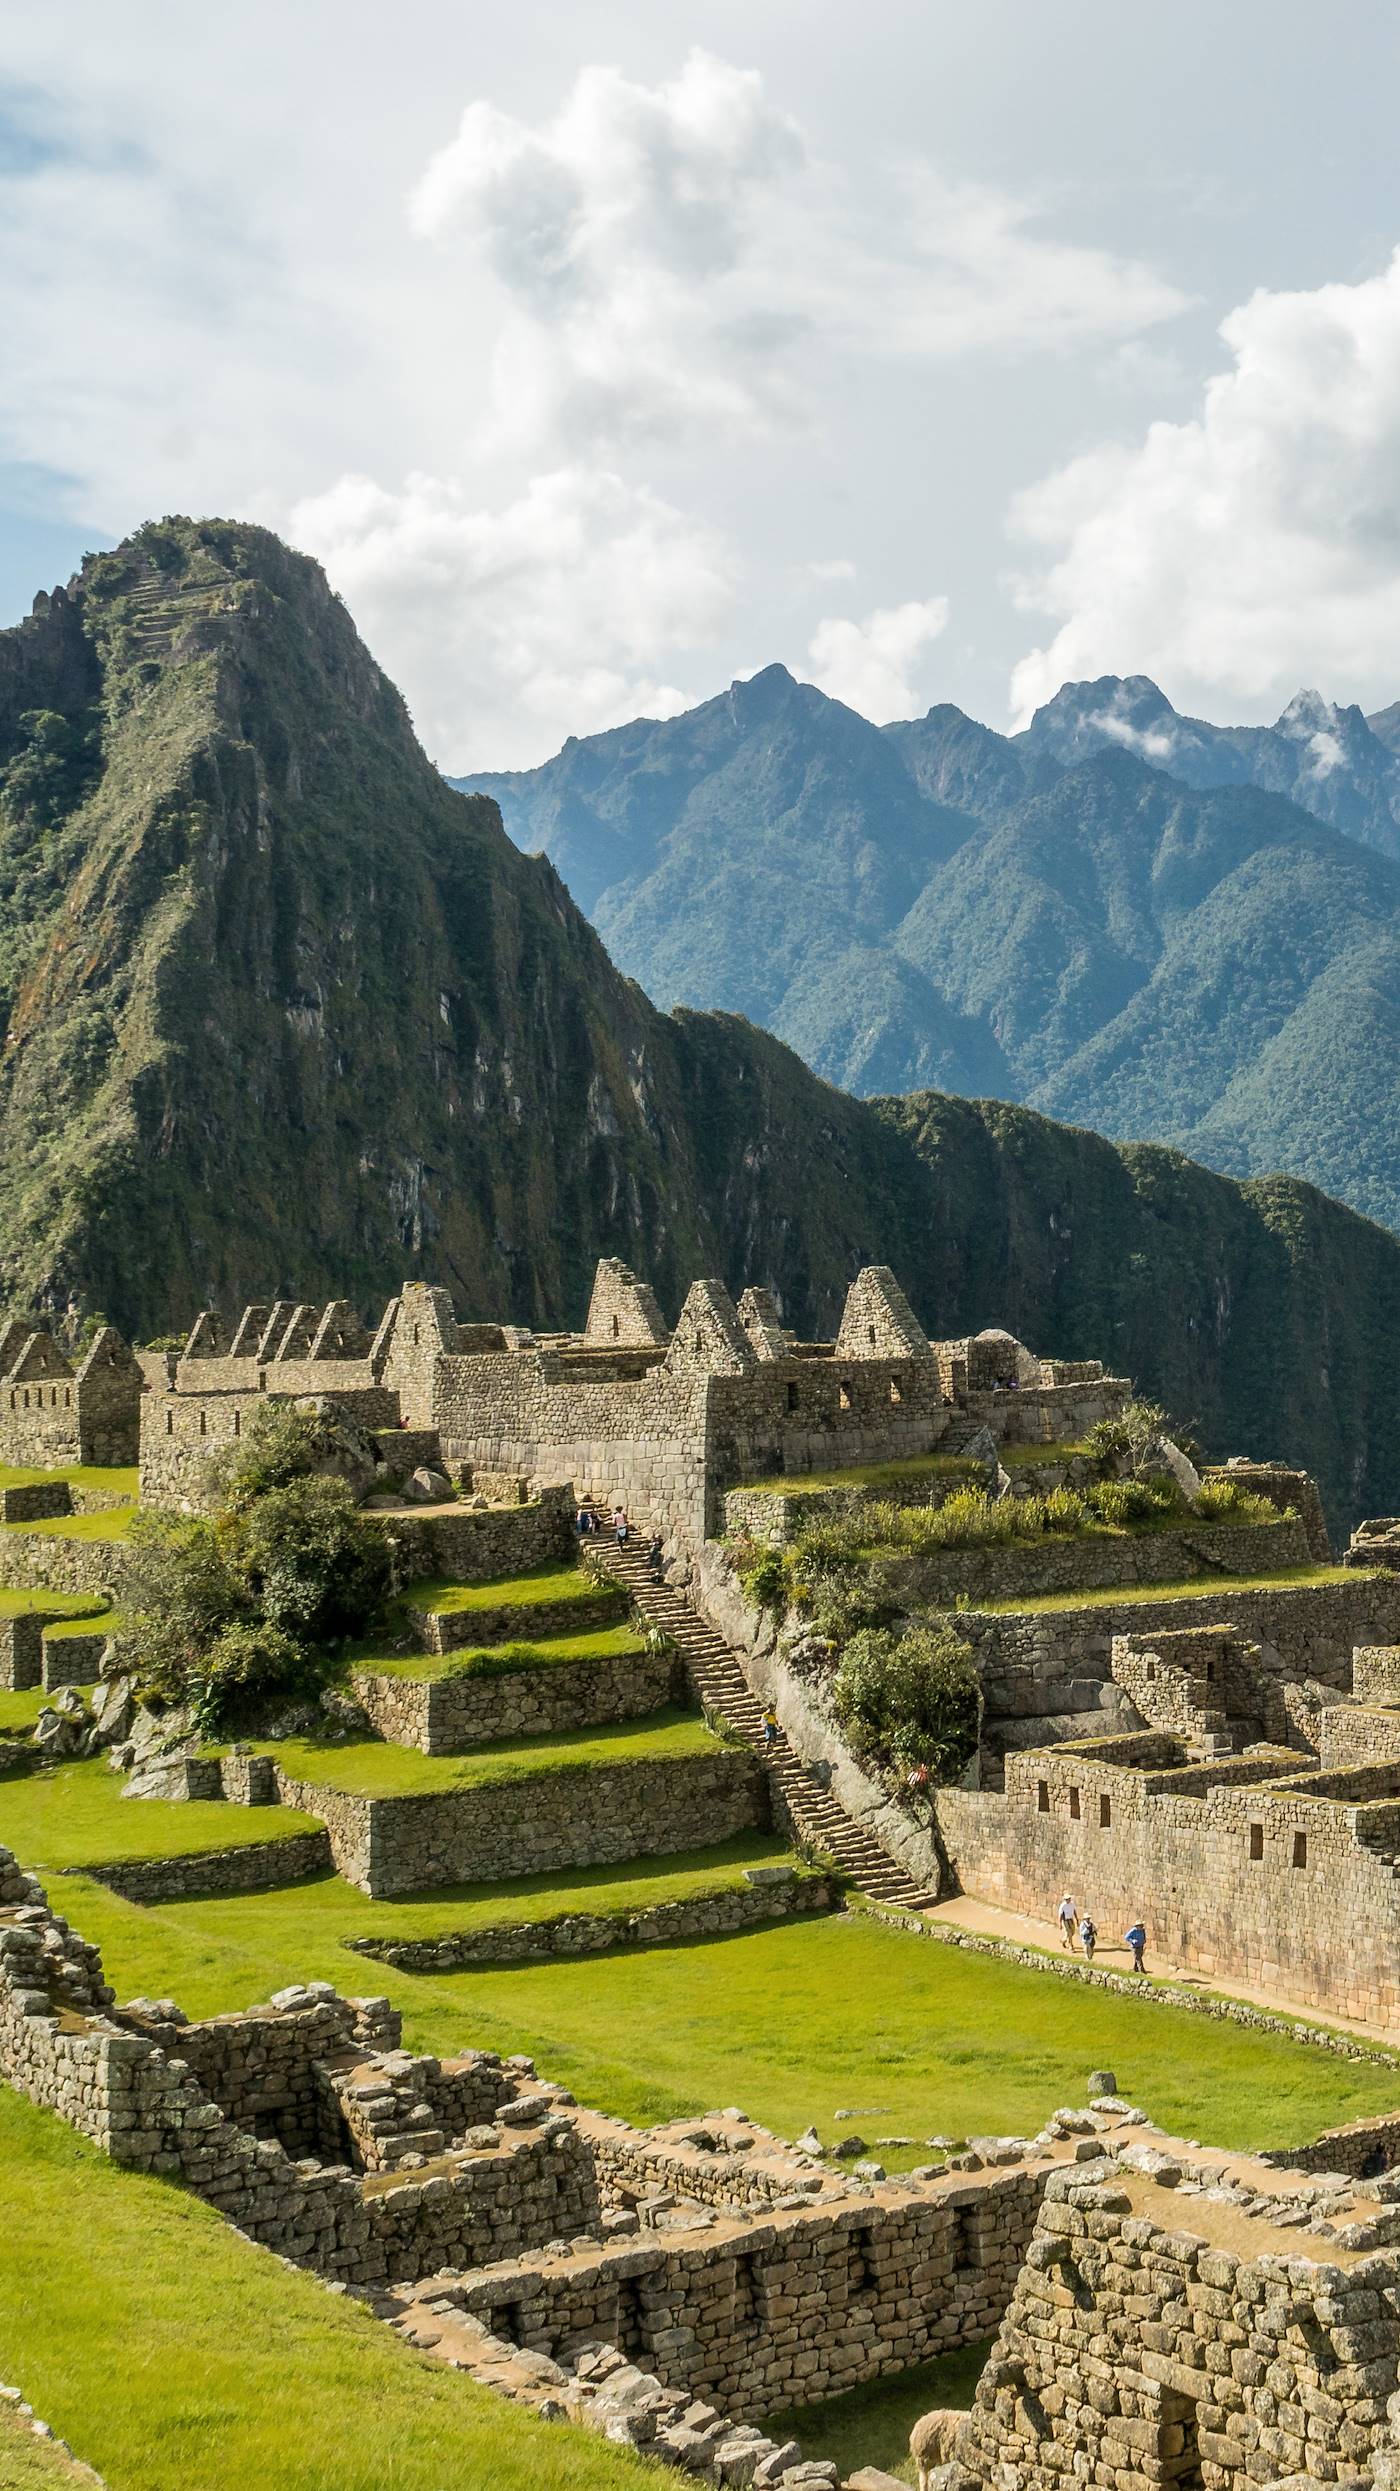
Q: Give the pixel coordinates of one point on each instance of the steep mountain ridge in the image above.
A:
(1115, 917)
(284, 1012)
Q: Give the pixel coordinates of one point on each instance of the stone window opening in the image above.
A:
(896, 1391)
(843, 1395)
(870, 1332)
(1256, 1842)
(792, 1396)
(26, 1397)
(505, 2321)
(1300, 1850)
(1105, 1811)
(630, 2331)
(616, 1327)
(204, 1422)
(1179, 2444)
(238, 1422)
(170, 1422)
(861, 2276)
(67, 1397)
(1042, 1798)
(1073, 1804)
(964, 2241)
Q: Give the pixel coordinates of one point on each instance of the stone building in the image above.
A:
(53, 1413)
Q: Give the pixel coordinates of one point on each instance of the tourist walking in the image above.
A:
(654, 1557)
(1068, 1916)
(620, 1525)
(1136, 1941)
(1088, 1937)
(586, 1520)
(770, 1727)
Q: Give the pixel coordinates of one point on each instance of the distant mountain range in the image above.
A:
(1125, 917)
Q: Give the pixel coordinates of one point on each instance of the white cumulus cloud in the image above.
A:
(669, 256)
(870, 665)
(1253, 546)
(519, 625)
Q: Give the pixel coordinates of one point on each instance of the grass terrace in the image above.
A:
(74, 1815)
(1195, 1587)
(239, 2373)
(792, 2021)
(497, 1660)
(541, 1588)
(111, 1522)
(375, 1770)
(19, 1710)
(63, 1629)
(119, 1482)
(53, 1604)
(872, 1476)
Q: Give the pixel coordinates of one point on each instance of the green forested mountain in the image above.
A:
(282, 1012)
(1116, 916)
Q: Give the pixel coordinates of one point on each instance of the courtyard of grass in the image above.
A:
(792, 2022)
(543, 1586)
(101, 1482)
(503, 1660)
(374, 1769)
(74, 1815)
(173, 2355)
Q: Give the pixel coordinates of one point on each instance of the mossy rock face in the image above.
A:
(276, 999)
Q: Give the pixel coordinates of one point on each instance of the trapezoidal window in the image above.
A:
(896, 1391)
(870, 1329)
(1042, 1798)
(170, 1422)
(238, 1422)
(1073, 1804)
(617, 1326)
(1105, 1811)
(67, 1398)
(792, 1396)
(204, 1422)
(1300, 1850)
(1256, 1842)
(843, 1395)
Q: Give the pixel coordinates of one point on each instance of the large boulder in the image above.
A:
(933, 2441)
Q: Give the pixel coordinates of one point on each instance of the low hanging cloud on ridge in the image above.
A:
(1252, 548)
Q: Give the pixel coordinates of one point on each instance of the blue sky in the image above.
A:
(604, 353)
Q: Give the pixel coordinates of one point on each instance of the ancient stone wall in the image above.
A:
(1092, 1561)
(470, 1544)
(248, 1868)
(181, 1429)
(1244, 1866)
(443, 1715)
(786, 2306)
(1148, 2342)
(596, 1933)
(53, 1414)
(405, 1843)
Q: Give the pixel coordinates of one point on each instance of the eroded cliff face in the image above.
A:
(283, 1013)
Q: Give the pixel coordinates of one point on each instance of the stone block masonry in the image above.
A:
(247, 1868)
(721, 1914)
(446, 1714)
(470, 1544)
(457, 1630)
(406, 1844)
(1095, 1561)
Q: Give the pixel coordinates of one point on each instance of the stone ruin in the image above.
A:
(1162, 2313)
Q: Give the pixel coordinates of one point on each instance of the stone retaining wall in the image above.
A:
(249, 1868)
(47, 1561)
(791, 2306)
(458, 1630)
(1092, 1561)
(443, 1715)
(596, 1933)
(408, 1843)
(470, 1544)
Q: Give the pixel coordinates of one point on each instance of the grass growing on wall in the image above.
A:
(377, 1770)
(1196, 1587)
(68, 1816)
(173, 2355)
(504, 1660)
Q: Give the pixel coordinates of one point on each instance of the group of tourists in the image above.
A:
(1079, 1929)
(588, 1522)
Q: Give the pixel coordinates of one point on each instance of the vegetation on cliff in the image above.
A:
(285, 1013)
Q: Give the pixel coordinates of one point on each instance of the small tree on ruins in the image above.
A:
(911, 1698)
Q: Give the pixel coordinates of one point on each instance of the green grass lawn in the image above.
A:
(65, 1817)
(112, 1522)
(871, 2425)
(377, 1770)
(173, 2355)
(51, 1603)
(1196, 1587)
(65, 1628)
(872, 1475)
(20, 1710)
(121, 1482)
(500, 1660)
(793, 2022)
(30, 2464)
(544, 1584)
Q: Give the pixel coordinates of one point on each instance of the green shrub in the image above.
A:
(252, 1605)
(282, 1443)
(1224, 1500)
(1125, 1502)
(910, 1699)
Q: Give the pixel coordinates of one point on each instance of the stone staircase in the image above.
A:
(716, 1674)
